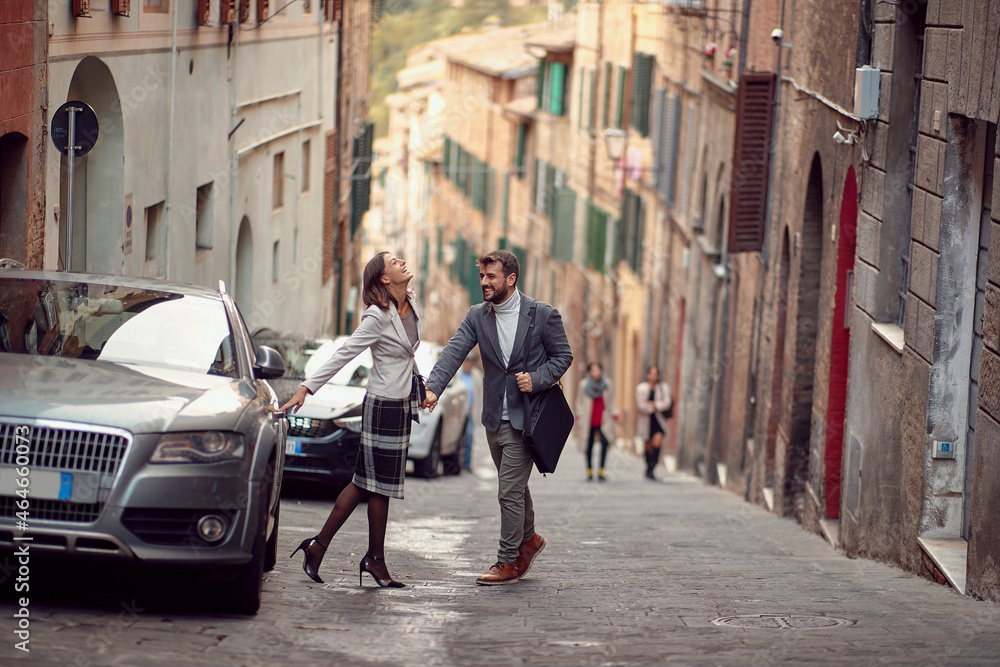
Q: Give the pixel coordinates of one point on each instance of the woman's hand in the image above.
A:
(296, 401)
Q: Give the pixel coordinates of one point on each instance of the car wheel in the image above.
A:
(244, 592)
(271, 547)
(453, 462)
(429, 467)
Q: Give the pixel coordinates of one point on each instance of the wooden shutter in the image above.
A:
(597, 223)
(669, 131)
(244, 11)
(563, 219)
(751, 162)
(642, 68)
(620, 100)
(446, 157)
(557, 85)
(262, 11)
(522, 132)
(227, 9)
(204, 12)
(329, 197)
(605, 115)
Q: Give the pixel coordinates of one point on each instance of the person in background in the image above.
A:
(473, 379)
(652, 400)
(595, 413)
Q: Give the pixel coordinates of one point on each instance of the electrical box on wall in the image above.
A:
(866, 91)
(944, 449)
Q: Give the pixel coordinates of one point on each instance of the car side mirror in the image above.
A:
(269, 364)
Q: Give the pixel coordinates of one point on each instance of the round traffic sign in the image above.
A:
(86, 128)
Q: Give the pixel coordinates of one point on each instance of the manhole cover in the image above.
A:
(781, 621)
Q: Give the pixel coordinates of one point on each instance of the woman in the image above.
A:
(653, 400)
(595, 412)
(390, 326)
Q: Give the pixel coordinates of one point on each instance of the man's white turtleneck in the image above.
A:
(507, 314)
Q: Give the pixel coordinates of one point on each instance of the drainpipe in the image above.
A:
(338, 128)
(169, 204)
(234, 164)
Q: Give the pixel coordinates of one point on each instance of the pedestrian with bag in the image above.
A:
(595, 412)
(655, 406)
(512, 365)
(390, 327)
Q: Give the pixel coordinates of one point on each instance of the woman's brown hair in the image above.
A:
(375, 292)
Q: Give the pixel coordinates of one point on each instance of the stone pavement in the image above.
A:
(636, 572)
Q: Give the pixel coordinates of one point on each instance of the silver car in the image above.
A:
(136, 425)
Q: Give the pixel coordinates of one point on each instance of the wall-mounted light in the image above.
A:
(614, 141)
(537, 52)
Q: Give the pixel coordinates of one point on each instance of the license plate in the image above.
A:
(293, 447)
(44, 484)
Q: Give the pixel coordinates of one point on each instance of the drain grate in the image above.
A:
(781, 621)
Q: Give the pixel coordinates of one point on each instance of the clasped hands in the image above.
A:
(523, 383)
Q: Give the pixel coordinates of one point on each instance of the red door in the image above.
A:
(840, 345)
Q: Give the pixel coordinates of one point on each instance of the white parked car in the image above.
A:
(435, 443)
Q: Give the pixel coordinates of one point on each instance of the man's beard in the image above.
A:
(498, 296)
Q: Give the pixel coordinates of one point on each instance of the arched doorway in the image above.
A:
(840, 344)
(806, 326)
(243, 289)
(13, 196)
(99, 178)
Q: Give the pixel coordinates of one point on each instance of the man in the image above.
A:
(500, 326)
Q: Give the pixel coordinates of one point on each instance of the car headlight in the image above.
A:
(198, 447)
(352, 424)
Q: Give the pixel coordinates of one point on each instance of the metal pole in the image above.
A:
(71, 152)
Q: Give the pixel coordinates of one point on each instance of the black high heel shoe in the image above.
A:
(311, 566)
(363, 567)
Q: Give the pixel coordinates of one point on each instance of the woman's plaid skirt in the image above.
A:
(385, 438)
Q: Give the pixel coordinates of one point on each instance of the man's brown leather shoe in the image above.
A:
(500, 573)
(527, 552)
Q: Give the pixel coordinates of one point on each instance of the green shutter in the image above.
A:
(642, 82)
(522, 132)
(440, 247)
(540, 86)
(563, 219)
(597, 230)
(607, 95)
(538, 176)
(620, 99)
(446, 161)
(505, 202)
(579, 117)
(557, 83)
(549, 191)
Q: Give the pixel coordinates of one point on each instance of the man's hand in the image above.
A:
(524, 382)
(296, 401)
(430, 400)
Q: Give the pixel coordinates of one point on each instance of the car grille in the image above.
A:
(305, 427)
(169, 527)
(68, 448)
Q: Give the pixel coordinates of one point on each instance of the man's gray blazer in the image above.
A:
(546, 357)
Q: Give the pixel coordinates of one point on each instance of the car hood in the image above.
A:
(331, 400)
(139, 399)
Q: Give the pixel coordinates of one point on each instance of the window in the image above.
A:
(204, 222)
(597, 234)
(278, 182)
(557, 89)
(275, 254)
(156, 6)
(153, 216)
(620, 99)
(306, 153)
(643, 65)
(563, 224)
(751, 162)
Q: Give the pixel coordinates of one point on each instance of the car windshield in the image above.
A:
(116, 324)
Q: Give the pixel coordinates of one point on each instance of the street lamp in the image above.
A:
(614, 140)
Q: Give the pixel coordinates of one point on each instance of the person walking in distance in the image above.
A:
(655, 405)
(511, 365)
(595, 412)
(390, 326)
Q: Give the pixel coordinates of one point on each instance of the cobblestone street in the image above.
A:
(635, 572)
